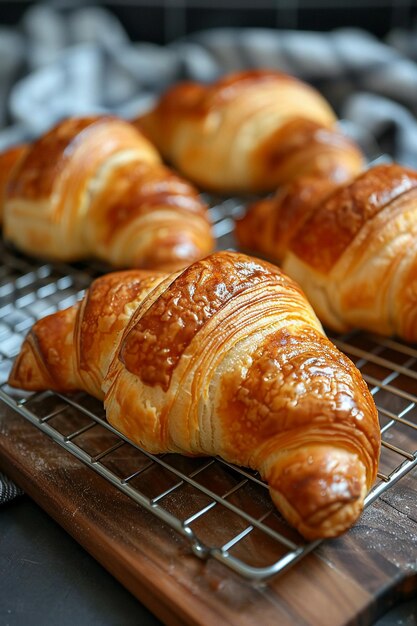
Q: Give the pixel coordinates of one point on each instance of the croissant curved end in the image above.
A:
(46, 358)
(322, 494)
(29, 371)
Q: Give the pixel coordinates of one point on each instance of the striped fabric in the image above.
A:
(8, 490)
(83, 61)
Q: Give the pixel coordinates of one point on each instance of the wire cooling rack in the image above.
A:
(224, 511)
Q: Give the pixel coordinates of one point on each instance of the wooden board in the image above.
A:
(353, 579)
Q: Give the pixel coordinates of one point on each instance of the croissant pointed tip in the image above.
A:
(45, 360)
(28, 372)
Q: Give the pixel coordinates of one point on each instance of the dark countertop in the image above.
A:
(47, 578)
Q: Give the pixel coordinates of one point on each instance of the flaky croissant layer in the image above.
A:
(249, 132)
(226, 358)
(95, 187)
(352, 247)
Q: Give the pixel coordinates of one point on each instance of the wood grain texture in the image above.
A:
(349, 580)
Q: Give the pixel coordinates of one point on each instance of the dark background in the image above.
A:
(160, 21)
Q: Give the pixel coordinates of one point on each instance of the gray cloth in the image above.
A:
(8, 490)
(82, 61)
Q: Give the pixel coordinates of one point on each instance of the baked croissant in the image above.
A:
(249, 132)
(226, 358)
(9, 161)
(352, 248)
(95, 186)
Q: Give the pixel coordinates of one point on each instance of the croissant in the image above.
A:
(226, 358)
(352, 248)
(95, 186)
(9, 160)
(249, 132)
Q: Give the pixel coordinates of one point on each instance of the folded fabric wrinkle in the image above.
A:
(8, 489)
(87, 64)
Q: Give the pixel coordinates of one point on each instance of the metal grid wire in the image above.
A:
(224, 511)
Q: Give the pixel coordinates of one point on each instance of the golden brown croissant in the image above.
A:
(226, 358)
(95, 186)
(352, 248)
(9, 160)
(249, 132)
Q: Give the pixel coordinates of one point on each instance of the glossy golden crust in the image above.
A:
(270, 225)
(352, 247)
(277, 410)
(94, 186)
(226, 358)
(153, 351)
(46, 358)
(151, 212)
(249, 132)
(72, 349)
(48, 155)
(9, 160)
(304, 147)
(335, 223)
